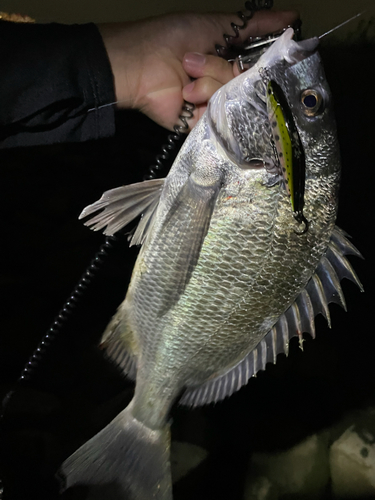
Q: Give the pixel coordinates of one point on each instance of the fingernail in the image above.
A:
(195, 59)
(188, 88)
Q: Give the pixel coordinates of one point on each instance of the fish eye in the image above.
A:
(311, 102)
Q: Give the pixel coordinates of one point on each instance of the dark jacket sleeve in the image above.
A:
(51, 76)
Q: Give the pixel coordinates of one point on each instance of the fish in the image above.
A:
(225, 277)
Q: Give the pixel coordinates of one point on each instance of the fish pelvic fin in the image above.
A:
(124, 460)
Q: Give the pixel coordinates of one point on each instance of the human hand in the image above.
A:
(154, 60)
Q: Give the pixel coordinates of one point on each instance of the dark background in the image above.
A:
(74, 392)
(318, 15)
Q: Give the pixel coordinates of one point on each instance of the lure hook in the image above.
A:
(301, 219)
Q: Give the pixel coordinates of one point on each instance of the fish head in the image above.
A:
(238, 114)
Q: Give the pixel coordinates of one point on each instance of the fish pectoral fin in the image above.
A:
(187, 222)
(123, 204)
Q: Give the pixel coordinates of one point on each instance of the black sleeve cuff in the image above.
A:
(51, 75)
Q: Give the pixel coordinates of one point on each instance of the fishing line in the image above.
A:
(106, 105)
(342, 24)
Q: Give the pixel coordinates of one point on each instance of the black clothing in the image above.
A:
(50, 76)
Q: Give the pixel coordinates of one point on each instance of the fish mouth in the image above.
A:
(285, 47)
(298, 51)
(284, 50)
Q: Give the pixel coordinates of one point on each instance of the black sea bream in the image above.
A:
(228, 272)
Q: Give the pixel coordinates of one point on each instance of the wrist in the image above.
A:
(121, 57)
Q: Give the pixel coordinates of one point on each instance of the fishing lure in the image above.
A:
(288, 149)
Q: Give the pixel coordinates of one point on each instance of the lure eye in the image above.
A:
(311, 102)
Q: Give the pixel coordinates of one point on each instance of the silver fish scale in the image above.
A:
(244, 120)
(249, 271)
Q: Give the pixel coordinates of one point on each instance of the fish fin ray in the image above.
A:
(322, 288)
(122, 358)
(306, 310)
(330, 282)
(341, 265)
(145, 224)
(119, 344)
(126, 459)
(340, 238)
(188, 220)
(318, 299)
(123, 204)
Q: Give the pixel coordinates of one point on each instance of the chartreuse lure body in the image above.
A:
(288, 149)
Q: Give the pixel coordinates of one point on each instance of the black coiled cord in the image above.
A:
(68, 308)
(228, 52)
(59, 321)
(232, 48)
(63, 315)
(173, 140)
(154, 171)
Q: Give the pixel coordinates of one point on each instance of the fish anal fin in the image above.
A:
(323, 287)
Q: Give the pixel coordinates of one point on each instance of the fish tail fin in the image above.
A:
(124, 460)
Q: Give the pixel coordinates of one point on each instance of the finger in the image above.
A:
(199, 65)
(197, 115)
(200, 91)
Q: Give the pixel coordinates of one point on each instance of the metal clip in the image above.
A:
(254, 47)
(253, 51)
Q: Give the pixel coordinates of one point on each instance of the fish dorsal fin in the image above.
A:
(122, 205)
(322, 288)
